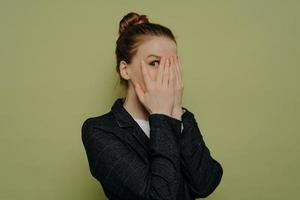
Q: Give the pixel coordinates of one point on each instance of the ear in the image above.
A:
(124, 70)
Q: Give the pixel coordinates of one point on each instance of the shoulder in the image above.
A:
(89, 124)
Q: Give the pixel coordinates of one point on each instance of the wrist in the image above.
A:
(177, 113)
(161, 112)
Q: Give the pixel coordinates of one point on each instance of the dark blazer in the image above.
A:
(170, 165)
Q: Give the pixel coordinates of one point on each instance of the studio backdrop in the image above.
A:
(240, 64)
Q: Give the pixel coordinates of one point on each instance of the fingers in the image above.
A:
(145, 74)
(139, 91)
(176, 71)
(161, 69)
(169, 72)
(180, 67)
(165, 80)
(172, 74)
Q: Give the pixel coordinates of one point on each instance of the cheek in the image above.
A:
(152, 73)
(138, 77)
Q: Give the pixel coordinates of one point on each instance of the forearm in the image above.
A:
(201, 170)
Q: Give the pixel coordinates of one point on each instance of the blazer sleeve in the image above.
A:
(201, 171)
(123, 174)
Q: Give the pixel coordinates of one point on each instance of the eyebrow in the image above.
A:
(154, 55)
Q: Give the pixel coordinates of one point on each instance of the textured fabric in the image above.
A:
(169, 165)
(145, 126)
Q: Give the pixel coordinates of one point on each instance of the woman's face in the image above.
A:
(151, 52)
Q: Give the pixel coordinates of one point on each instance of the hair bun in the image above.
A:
(131, 19)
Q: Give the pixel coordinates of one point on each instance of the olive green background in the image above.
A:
(241, 76)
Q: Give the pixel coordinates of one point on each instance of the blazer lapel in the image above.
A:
(128, 130)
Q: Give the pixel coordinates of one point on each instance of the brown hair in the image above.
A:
(132, 31)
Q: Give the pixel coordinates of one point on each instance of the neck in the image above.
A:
(133, 105)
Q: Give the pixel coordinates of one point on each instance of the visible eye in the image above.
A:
(152, 63)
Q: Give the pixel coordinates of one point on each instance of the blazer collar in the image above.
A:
(124, 119)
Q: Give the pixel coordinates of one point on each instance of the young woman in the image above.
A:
(148, 146)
